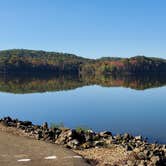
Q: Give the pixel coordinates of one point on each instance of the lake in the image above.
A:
(136, 105)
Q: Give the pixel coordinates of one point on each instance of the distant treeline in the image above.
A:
(135, 65)
(30, 61)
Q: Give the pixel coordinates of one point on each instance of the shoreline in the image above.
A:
(100, 148)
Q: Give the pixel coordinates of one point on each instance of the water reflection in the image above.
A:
(43, 83)
(119, 110)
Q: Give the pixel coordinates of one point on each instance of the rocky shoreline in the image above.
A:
(130, 150)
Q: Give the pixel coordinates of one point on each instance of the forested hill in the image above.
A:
(21, 60)
(28, 61)
(134, 65)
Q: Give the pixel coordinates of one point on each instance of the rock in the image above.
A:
(12, 124)
(7, 119)
(142, 156)
(131, 163)
(150, 153)
(36, 127)
(142, 148)
(89, 136)
(155, 160)
(51, 135)
(146, 153)
(45, 135)
(18, 124)
(138, 138)
(137, 150)
(45, 125)
(158, 152)
(96, 137)
(164, 147)
(143, 153)
(137, 144)
(26, 123)
(73, 144)
(57, 132)
(29, 129)
(118, 137)
(105, 134)
(109, 141)
(60, 140)
(22, 127)
(39, 135)
(128, 147)
(126, 136)
(65, 136)
(87, 145)
(90, 131)
(80, 136)
(141, 163)
(98, 143)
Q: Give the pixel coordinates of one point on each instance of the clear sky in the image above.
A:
(90, 28)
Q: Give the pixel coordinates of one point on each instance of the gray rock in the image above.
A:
(57, 131)
(26, 123)
(73, 144)
(39, 135)
(164, 147)
(142, 156)
(89, 137)
(155, 160)
(65, 136)
(138, 138)
(45, 125)
(126, 136)
(87, 145)
(118, 137)
(146, 153)
(109, 141)
(18, 124)
(98, 143)
(105, 134)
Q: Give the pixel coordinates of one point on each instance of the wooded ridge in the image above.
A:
(27, 61)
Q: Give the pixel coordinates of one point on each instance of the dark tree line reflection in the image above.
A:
(48, 82)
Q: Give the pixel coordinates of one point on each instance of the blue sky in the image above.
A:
(90, 28)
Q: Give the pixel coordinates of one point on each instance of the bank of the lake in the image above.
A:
(100, 148)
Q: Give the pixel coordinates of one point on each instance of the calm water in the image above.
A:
(134, 105)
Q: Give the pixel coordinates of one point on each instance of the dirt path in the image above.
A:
(18, 151)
